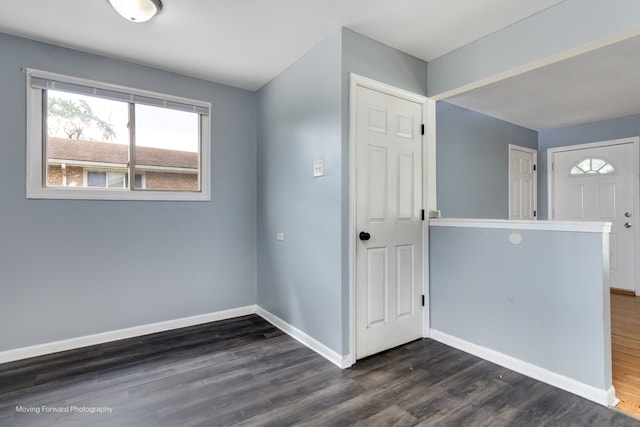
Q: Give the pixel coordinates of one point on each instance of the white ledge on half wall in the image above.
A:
(575, 226)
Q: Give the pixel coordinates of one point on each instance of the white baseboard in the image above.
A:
(603, 397)
(73, 343)
(136, 331)
(303, 338)
(611, 397)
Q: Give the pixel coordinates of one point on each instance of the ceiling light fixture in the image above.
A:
(137, 10)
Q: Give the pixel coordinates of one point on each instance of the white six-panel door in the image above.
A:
(388, 212)
(522, 183)
(598, 184)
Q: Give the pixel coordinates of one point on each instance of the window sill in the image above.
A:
(146, 195)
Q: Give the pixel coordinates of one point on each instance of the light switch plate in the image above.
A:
(280, 236)
(318, 168)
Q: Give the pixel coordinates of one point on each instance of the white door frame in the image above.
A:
(535, 176)
(428, 196)
(636, 190)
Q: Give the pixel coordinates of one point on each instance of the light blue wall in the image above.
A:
(622, 127)
(75, 268)
(300, 278)
(528, 301)
(304, 116)
(565, 26)
(473, 162)
(377, 61)
(197, 257)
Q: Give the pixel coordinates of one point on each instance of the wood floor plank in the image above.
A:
(625, 351)
(245, 372)
(390, 416)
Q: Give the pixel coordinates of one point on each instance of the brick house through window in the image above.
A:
(80, 163)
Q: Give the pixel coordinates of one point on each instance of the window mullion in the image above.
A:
(44, 136)
(132, 147)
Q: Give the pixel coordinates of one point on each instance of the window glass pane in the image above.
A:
(585, 165)
(607, 169)
(84, 132)
(596, 164)
(96, 179)
(576, 171)
(167, 149)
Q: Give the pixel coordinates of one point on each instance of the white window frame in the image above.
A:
(35, 184)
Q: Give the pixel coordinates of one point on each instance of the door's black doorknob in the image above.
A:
(364, 235)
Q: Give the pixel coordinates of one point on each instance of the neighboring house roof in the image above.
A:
(108, 152)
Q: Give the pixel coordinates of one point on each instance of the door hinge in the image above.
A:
(422, 213)
(422, 129)
(535, 167)
(535, 213)
(423, 300)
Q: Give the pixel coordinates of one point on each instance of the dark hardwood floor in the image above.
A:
(246, 372)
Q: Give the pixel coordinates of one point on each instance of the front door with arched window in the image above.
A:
(595, 182)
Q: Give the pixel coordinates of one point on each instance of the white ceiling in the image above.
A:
(597, 85)
(245, 43)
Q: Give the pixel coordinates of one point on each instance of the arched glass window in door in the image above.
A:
(590, 166)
